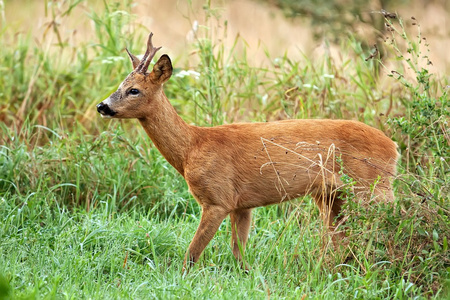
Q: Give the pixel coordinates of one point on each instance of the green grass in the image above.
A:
(90, 209)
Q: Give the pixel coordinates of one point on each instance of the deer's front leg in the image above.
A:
(212, 217)
(240, 226)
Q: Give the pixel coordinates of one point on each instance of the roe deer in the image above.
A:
(231, 169)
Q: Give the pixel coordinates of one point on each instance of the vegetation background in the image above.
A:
(90, 209)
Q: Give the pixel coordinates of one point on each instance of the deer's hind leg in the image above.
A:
(330, 206)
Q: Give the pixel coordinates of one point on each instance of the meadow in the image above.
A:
(90, 209)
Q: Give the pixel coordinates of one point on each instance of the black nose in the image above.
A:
(104, 109)
(101, 107)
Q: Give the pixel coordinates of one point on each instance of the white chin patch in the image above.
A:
(106, 117)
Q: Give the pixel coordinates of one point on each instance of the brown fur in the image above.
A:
(231, 169)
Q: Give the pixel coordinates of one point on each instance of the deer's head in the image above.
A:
(135, 95)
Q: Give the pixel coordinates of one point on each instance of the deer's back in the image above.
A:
(270, 162)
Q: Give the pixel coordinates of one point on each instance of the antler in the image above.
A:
(134, 60)
(148, 56)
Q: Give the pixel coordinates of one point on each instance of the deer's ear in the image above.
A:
(134, 60)
(162, 70)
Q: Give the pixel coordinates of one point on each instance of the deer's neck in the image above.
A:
(170, 134)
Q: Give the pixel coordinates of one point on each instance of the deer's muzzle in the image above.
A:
(104, 110)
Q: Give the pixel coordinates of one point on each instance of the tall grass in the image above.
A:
(90, 209)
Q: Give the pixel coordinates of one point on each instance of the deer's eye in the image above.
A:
(134, 91)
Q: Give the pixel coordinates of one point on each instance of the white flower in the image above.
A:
(264, 99)
(184, 73)
(190, 36)
(112, 59)
(307, 85)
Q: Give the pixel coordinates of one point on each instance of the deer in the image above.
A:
(233, 168)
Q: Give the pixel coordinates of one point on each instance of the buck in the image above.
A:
(231, 169)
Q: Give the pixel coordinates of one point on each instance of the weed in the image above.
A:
(94, 212)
